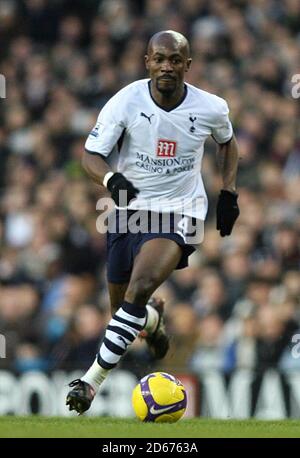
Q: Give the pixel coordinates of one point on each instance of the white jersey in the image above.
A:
(160, 151)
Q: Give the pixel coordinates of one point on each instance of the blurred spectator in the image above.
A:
(211, 296)
(182, 326)
(274, 336)
(209, 352)
(79, 344)
(240, 352)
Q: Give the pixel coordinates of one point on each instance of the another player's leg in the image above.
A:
(154, 263)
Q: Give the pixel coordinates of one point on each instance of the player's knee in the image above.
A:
(140, 290)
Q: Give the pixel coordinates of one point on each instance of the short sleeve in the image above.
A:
(222, 129)
(108, 129)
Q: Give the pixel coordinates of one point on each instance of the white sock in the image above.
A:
(95, 375)
(152, 319)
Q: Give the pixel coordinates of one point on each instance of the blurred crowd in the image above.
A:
(238, 305)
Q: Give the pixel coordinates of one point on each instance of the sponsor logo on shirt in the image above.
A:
(166, 148)
(164, 165)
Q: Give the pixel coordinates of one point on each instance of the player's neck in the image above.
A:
(167, 101)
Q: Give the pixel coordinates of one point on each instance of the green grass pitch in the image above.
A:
(37, 426)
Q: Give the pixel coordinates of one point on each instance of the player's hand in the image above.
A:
(227, 212)
(122, 190)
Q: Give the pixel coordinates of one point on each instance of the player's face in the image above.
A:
(167, 67)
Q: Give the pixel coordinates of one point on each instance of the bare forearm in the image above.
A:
(95, 167)
(227, 157)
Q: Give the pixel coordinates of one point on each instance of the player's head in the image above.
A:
(167, 60)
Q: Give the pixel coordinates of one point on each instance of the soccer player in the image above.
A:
(160, 126)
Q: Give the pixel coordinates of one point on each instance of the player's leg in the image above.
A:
(154, 331)
(116, 295)
(82, 393)
(155, 261)
(153, 264)
(119, 264)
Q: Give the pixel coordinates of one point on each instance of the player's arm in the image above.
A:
(122, 190)
(227, 158)
(95, 166)
(109, 129)
(227, 205)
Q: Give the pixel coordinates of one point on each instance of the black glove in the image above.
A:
(227, 212)
(118, 183)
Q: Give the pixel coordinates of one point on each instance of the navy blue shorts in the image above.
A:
(123, 245)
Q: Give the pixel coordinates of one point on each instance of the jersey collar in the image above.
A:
(175, 106)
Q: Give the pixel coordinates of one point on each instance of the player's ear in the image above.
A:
(147, 61)
(188, 64)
